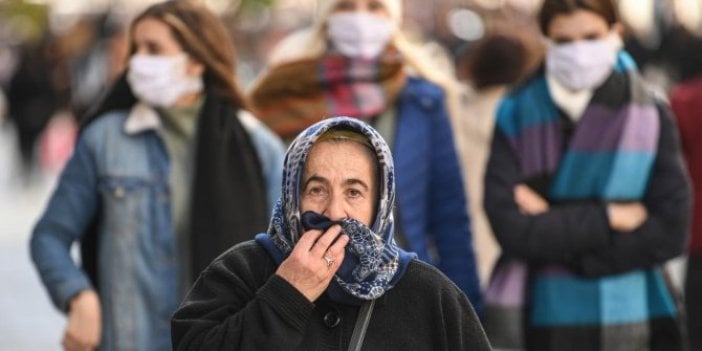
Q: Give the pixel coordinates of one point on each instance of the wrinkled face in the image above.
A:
(153, 37)
(338, 181)
(578, 25)
(373, 7)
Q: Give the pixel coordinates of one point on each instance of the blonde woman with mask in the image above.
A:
(353, 61)
(586, 193)
(170, 172)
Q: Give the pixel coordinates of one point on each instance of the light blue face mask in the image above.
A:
(160, 80)
(583, 64)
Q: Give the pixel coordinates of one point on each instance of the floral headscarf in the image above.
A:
(373, 263)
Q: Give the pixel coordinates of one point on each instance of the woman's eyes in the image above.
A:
(149, 48)
(374, 6)
(319, 191)
(154, 49)
(316, 191)
(589, 37)
(592, 37)
(354, 193)
(345, 6)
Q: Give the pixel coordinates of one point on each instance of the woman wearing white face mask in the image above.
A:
(353, 61)
(169, 172)
(586, 195)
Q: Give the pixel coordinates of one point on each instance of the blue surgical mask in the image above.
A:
(584, 64)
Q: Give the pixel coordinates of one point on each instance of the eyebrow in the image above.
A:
(315, 178)
(587, 35)
(347, 182)
(355, 181)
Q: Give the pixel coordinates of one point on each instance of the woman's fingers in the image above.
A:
(529, 201)
(83, 330)
(322, 245)
(314, 261)
(71, 343)
(626, 217)
(337, 248)
(336, 252)
(308, 239)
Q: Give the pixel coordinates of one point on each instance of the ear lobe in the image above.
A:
(195, 68)
(618, 28)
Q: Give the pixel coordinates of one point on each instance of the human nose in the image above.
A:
(335, 209)
(139, 50)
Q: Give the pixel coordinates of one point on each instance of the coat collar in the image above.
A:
(142, 117)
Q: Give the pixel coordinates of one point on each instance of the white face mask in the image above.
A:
(161, 80)
(582, 64)
(357, 34)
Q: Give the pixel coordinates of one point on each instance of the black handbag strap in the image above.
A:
(359, 330)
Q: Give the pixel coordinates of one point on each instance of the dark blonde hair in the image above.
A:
(552, 8)
(203, 37)
(337, 134)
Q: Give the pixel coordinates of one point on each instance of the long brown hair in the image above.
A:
(202, 35)
(552, 8)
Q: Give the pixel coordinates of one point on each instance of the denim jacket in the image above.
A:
(120, 162)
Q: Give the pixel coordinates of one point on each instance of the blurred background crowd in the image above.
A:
(58, 56)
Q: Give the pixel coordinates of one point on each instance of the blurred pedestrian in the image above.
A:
(586, 194)
(353, 61)
(35, 92)
(686, 101)
(328, 275)
(488, 68)
(172, 169)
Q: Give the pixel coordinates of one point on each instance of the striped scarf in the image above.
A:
(298, 94)
(611, 153)
(373, 263)
(609, 157)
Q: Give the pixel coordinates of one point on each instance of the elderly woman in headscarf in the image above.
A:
(328, 270)
(354, 61)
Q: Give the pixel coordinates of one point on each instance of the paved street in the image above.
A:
(28, 321)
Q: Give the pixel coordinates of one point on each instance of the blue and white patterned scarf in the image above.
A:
(373, 263)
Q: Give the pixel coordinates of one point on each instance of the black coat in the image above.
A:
(238, 303)
(577, 233)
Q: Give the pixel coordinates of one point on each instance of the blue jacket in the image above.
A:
(431, 201)
(126, 171)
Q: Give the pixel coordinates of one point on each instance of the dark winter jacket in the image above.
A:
(238, 303)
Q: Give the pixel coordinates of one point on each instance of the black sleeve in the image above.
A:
(559, 236)
(668, 203)
(238, 304)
